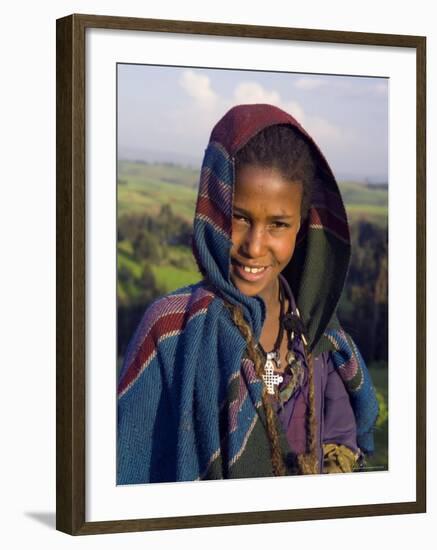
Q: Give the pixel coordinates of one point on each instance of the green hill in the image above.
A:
(365, 202)
(146, 187)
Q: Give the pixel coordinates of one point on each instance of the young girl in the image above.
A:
(248, 372)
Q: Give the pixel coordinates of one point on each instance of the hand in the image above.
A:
(338, 459)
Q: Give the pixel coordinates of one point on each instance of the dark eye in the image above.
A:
(241, 218)
(279, 225)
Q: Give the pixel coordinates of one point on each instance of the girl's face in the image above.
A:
(266, 219)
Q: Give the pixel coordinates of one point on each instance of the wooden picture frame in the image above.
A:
(71, 272)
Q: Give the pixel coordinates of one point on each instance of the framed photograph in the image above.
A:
(240, 274)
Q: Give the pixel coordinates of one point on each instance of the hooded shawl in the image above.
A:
(189, 401)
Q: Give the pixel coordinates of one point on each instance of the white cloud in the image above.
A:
(252, 92)
(198, 87)
(212, 106)
(295, 109)
(322, 129)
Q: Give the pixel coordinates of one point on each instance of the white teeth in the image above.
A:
(253, 269)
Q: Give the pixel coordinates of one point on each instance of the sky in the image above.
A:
(167, 113)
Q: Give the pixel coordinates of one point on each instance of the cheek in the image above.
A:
(237, 233)
(234, 234)
(285, 249)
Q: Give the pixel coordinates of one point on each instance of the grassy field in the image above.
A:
(372, 213)
(167, 173)
(359, 193)
(124, 260)
(146, 187)
(170, 277)
(176, 270)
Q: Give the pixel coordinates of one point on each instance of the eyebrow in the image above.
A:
(272, 218)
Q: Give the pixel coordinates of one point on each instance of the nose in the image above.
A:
(255, 242)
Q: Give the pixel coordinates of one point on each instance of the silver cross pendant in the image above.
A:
(270, 378)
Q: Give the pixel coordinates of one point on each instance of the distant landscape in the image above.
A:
(155, 208)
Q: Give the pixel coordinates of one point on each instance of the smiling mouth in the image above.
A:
(249, 273)
(248, 269)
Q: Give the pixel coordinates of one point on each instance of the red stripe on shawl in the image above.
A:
(235, 406)
(349, 369)
(214, 188)
(352, 366)
(164, 325)
(322, 217)
(207, 208)
(324, 198)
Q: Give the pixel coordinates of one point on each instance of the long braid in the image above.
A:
(309, 462)
(254, 355)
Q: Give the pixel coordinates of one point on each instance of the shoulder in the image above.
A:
(166, 317)
(339, 351)
(345, 354)
(175, 309)
(166, 310)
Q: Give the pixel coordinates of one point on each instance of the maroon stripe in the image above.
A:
(249, 121)
(247, 376)
(218, 191)
(323, 217)
(132, 372)
(206, 208)
(323, 198)
(234, 407)
(248, 369)
(162, 326)
(217, 204)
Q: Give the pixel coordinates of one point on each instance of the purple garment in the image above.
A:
(334, 414)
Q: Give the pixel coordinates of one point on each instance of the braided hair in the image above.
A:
(283, 148)
(254, 355)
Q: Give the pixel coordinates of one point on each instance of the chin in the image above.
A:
(246, 288)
